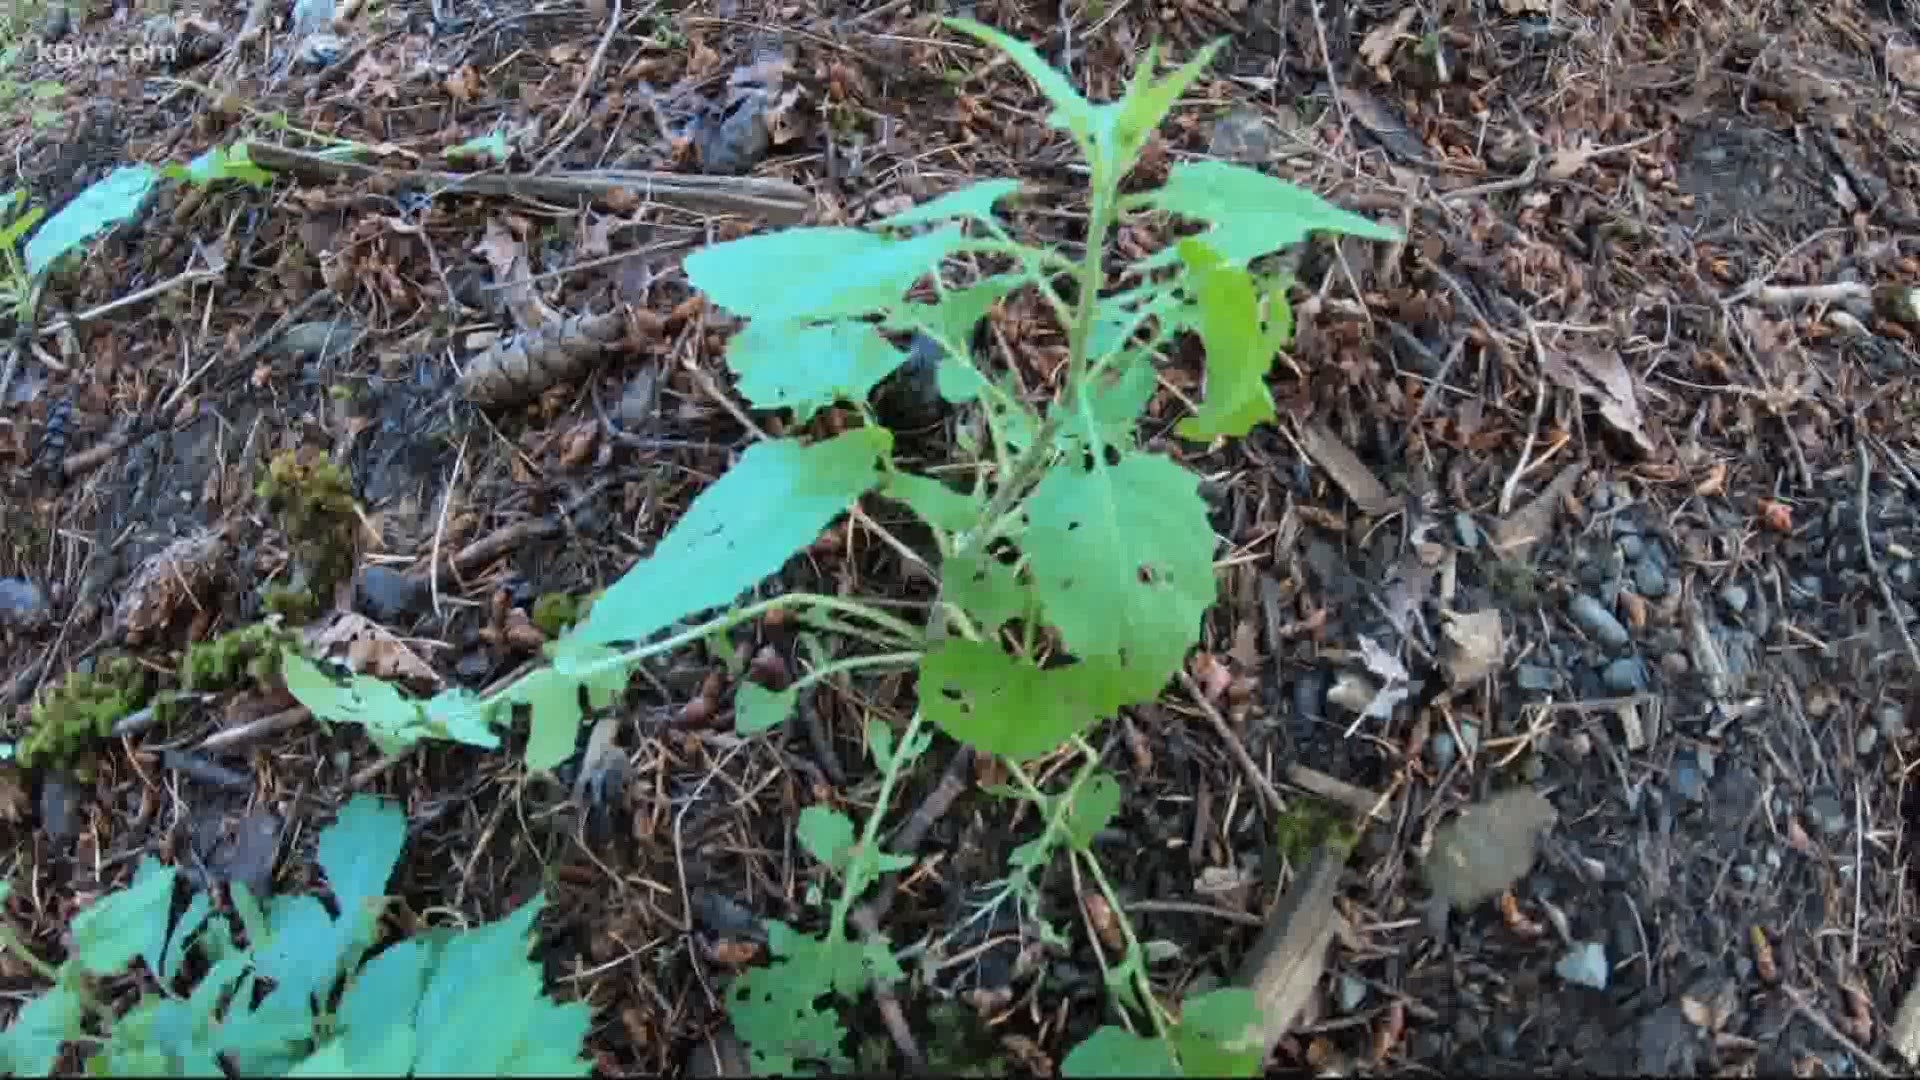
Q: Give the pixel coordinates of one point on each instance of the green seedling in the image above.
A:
(436, 1004)
(1075, 565)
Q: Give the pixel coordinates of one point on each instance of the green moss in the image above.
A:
(554, 612)
(1306, 825)
(82, 710)
(1513, 582)
(311, 499)
(249, 656)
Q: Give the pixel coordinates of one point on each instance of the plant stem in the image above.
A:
(1134, 949)
(854, 663)
(10, 940)
(870, 831)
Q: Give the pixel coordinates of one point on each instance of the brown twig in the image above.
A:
(1234, 746)
(1873, 563)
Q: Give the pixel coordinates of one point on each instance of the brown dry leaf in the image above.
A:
(1475, 645)
(1354, 478)
(1903, 63)
(1516, 533)
(464, 85)
(1376, 49)
(1604, 377)
(1481, 853)
(369, 648)
(507, 257)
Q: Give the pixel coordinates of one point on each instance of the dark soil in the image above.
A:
(1707, 666)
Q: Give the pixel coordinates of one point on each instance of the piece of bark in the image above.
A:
(1287, 961)
(1904, 1035)
(1347, 470)
(1516, 533)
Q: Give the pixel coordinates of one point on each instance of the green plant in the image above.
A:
(246, 656)
(311, 499)
(19, 292)
(82, 710)
(1075, 567)
(440, 1003)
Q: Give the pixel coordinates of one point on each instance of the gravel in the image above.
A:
(1585, 965)
(1627, 675)
(1595, 619)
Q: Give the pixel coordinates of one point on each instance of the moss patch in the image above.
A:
(82, 710)
(311, 500)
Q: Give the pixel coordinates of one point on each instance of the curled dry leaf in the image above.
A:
(180, 575)
(1475, 646)
(518, 369)
(1376, 49)
(508, 259)
(1604, 377)
(369, 648)
(1354, 478)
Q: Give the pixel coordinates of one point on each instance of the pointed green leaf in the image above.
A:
(1095, 801)
(1147, 103)
(816, 273)
(773, 502)
(789, 365)
(394, 721)
(1251, 213)
(1071, 112)
(111, 931)
(115, 198)
(988, 590)
(553, 730)
(972, 201)
(1236, 346)
(1121, 555)
(1219, 1034)
(757, 709)
(358, 852)
(934, 502)
(999, 704)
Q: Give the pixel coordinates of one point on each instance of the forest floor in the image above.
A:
(1626, 382)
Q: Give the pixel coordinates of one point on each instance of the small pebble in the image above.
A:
(1627, 675)
(1352, 993)
(1746, 873)
(1674, 666)
(1598, 621)
(22, 604)
(1688, 781)
(1632, 546)
(1893, 721)
(1584, 965)
(386, 595)
(1735, 597)
(1650, 579)
(1442, 750)
(1864, 742)
(1826, 815)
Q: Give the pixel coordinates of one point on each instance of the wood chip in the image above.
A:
(1287, 961)
(1354, 478)
(1475, 646)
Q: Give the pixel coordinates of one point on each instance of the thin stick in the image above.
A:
(1873, 563)
(580, 92)
(1234, 746)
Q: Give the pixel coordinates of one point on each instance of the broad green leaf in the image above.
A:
(757, 709)
(554, 730)
(1251, 213)
(934, 502)
(827, 834)
(816, 273)
(1095, 802)
(958, 380)
(775, 1010)
(1237, 353)
(999, 704)
(108, 202)
(959, 311)
(111, 931)
(303, 952)
(456, 714)
(46, 1023)
(1115, 398)
(478, 1010)
(1113, 1051)
(153, 948)
(793, 365)
(1121, 556)
(358, 853)
(198, 909)
(1219, 1034)
(972, 201)
(987, 589)
(774, 501)
(383, 996)
(1071, 112)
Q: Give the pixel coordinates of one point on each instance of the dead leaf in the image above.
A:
(1475, 646)
(1487, 848)
(1376, 49)
(1354, 478)
(1246, 646)
(1604, 377)
(1903, 63)
(1904, 1035)
(1516, 533)
(507, 257)
(596, 236)
(1361, 695)
(369, 648)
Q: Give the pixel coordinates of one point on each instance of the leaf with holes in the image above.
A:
(773, 502)
(1122, 558)
(999, 704)
(934, 502)
(987, 589)
(807, 367)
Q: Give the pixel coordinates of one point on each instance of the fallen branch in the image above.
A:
(774, 200)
